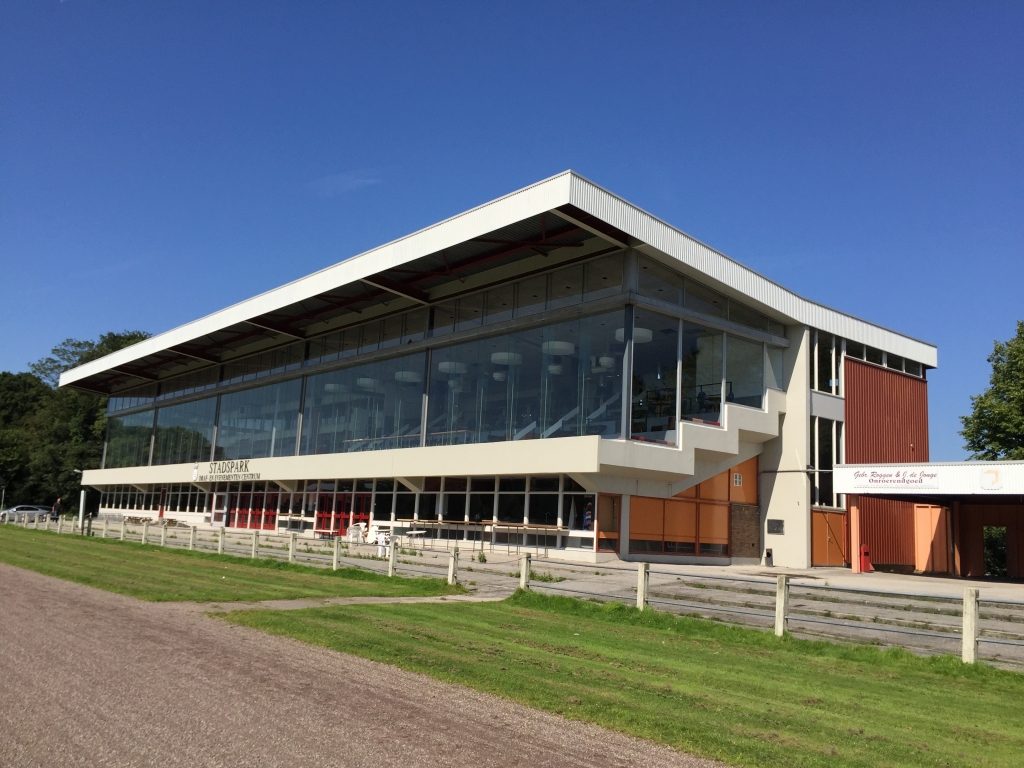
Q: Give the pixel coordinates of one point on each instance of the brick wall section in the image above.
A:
(745, 531)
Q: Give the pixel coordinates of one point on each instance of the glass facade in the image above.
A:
(365, 408)
(554, 381)
(259, 423)
(128, 440)
(184, 432)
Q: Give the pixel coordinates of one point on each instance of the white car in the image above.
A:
(21, 512)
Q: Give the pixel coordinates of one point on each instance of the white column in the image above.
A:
(524, 572)
(337, 553)
(291, 547)
(81, 510)
(192, 538)
(124, 529)
(255, 544)
(222, 534)
(392, 553)
(453, 567)
(145, 531)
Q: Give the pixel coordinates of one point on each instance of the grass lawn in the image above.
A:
(157, 574)
(740, 695)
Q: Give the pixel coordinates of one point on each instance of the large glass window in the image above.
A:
(655, 352)
(744, 372)
(367, 407)
(555, 381)
(259, 423)
(701, 381)
(184, 432)
(128, 440)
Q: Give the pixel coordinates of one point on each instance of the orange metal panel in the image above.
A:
(680, 521)
(717, 487)
(646, 518)
(689, 493)
(746, 492)
(714, 523)
(931, 542)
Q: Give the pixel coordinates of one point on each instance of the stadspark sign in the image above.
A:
(225, 471)
(896, 478)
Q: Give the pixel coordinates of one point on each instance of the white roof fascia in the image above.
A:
(565, 188)
(634, 221)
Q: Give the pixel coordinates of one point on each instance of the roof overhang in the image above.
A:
(564, 213)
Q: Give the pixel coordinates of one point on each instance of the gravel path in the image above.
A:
(91, 678)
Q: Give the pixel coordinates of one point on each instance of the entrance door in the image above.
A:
(828, 538)
(361, 507)
(220, 501)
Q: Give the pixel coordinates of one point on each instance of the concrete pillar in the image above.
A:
(291, 547)
(255, 544)
(782, 606)
(163, 535)
(145, 531)
(525, 564)
(392, 555)
(81, 510)
(192, 538)
(969, 654)
(453, 567)
(124, 529)
(337, 553)
(220, 540)
(643, 583)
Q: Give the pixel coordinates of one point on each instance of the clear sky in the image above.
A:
(161, 160)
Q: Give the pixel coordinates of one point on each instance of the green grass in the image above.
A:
(158, 574)
(740, 695)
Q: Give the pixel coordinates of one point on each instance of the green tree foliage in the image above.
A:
(995, 428)
(46, 433)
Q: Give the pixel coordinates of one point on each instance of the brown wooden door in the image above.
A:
(828, 538)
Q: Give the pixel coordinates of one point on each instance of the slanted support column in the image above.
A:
(969, 653)
(782, 606)
(525, 564)
(643, 583)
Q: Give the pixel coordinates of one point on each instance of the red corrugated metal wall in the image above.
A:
(886, 421)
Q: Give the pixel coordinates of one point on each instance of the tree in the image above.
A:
(46, 433)
(995, 428)
(72, 353)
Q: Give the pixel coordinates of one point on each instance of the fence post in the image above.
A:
(255, 544)
(163, 535)
(192, 538)
(782, 606)
(392, 554)
(103, 533)
(969, 654)
(643, 582)
(453, 567)
(337, 553)
(60, 523)
(291, 547)
(145, 531)
(89, 524)
(124, 529)
(524, 571)
(220, 540)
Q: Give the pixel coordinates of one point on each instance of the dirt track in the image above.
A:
(153, 684)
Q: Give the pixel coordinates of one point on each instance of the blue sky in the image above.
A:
(159, 161)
